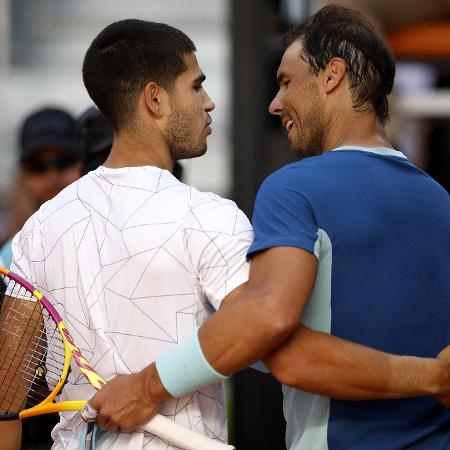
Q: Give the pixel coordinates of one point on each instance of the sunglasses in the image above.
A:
(43, 165)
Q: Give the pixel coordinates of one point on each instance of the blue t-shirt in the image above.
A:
(380, 228)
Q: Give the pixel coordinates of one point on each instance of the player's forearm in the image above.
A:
(330, 366)
(11, 434)
(153, 385)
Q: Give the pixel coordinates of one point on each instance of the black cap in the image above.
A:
(94, 131)
(48, 127)
(94, 138)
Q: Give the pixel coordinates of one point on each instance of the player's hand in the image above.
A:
(444, 395)
(128, 401)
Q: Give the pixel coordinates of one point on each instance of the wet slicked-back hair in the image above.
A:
(127, 55)
(335, 31)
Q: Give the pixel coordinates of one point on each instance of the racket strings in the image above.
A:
(31, 350)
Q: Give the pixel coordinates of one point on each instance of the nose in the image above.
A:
(275, 107)
(209, 104)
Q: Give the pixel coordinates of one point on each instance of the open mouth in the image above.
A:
(288, 123)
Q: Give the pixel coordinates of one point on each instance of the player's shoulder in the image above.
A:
(65, 197)
(198, 198)
(66, 207)
(309, 173)
(212, 212)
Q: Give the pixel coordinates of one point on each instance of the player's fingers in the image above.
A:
(131, 423)
(105, 422)
(88, 414)
(108, 426)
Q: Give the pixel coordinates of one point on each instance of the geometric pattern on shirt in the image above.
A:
(134, 261)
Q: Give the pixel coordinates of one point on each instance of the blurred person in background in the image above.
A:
(94, 136)
(49, 161)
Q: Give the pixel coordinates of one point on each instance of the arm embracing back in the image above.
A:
(330, 366)
(265, 314)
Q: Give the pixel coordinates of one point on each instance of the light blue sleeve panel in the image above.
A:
(283, 215)
(260, 367)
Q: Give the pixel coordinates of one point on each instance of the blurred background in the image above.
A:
(239, 45)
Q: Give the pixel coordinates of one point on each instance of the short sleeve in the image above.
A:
(283, 215)
(217, 237)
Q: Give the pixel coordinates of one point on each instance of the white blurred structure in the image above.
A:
(42, 44)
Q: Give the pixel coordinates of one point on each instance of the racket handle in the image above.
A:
(182, 437)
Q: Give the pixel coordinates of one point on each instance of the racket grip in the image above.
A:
(182, 437)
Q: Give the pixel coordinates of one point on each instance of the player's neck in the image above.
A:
(357, 129)
(136, 151)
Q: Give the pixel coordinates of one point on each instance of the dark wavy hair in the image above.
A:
(335, 31)
(127, 55)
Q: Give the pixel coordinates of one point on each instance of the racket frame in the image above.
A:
(48, 405)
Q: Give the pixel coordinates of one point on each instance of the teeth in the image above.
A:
(289, 125)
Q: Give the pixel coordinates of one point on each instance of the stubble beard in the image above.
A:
(180, 137)
(311, 128)
(310, 138)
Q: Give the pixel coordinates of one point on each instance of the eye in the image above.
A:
(198, 87)
(283, 83)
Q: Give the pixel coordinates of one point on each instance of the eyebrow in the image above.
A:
(200, 79)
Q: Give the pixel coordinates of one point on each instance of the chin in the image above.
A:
(189, 154)
(303, 152)
(200, 150)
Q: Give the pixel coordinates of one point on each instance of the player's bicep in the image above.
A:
(234, 294)
(284, 276)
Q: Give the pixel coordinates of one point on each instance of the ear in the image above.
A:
(334, 73)
(155, 98)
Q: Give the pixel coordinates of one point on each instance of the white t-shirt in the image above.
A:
(135, 261)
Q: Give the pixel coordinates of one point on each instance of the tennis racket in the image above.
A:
(36, 350)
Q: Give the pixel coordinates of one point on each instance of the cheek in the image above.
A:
(198, 104)
(197, 118)
(294, 100)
